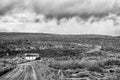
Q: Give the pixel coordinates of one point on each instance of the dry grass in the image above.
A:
(6, 66)
(111, 62)
(65, 65)
(90, 66)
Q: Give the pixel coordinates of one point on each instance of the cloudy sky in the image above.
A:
(61, 16)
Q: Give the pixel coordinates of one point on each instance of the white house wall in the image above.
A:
(30, 58)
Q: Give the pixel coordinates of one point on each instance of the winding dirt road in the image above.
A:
(24, 71)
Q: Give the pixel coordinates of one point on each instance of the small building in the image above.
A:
(31, 56)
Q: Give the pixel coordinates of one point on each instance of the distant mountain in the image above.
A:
(47, 36)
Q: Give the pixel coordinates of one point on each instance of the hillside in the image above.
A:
(62, 57)
(39, 36)
(54, 43)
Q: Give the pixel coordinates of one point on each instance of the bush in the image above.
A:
(98, 66)
(111, 62)
(96, 69)
(94, 66)
(65, 65)
(2, 72)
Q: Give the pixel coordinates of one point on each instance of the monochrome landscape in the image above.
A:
(59, 39)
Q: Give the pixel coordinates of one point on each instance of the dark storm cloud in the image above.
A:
(6, 9)
(65, 8)
(7, 5)
(83, 16)
(71, 8)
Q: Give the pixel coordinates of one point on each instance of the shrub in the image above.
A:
(96, 69)
(89, 65)
(65, 65)
(2, 72)
(111, 62)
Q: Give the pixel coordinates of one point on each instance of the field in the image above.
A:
(88, 70)
(6, 66)
(62, 57)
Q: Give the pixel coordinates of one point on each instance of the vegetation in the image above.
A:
(110, 62)
(69, 56)
(90, 66)
(6, 66)
(62, 45)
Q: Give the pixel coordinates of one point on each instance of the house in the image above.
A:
(31, 56)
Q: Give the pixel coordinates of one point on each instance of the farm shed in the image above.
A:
(31, 56)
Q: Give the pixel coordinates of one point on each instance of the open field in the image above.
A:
(6, 66)
(52, 69)
(36, 70)
(88, 70)
(62, 57)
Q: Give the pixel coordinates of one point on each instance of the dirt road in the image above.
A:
(24, 71)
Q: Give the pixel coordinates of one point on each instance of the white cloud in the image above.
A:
(95, 12)
(75, 25)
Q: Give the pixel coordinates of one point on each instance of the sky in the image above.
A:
(61, 16)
